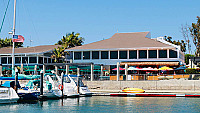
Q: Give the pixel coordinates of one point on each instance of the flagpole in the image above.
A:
(13, 49)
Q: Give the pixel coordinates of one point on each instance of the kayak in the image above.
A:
(133, 90)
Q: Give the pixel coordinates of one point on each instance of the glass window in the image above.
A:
(172, 54)
(113, 54)
(142, 53)
(45, 60)
(4, 60)
(24, 59)
(40, 60)
(122, 54)
(17, 60)
(104, 54)
(162, 53)
(95, 54)
(86, 55)
(49, 60)
(9, 60)
(152, 53)
(133, 54)
(34, 60)
(77, 55)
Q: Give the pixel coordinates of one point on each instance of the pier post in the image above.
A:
(22, 69)
(62, 80)
(126, 71)
(67, 70)
(1, 69)
(35, 70)
(118, 71)
(101, 70)
(44, 69)
(56, 69)
(41, 82)
(16, 78)
(92, 73)
(78, 74)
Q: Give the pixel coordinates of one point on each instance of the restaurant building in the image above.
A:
(135, 49)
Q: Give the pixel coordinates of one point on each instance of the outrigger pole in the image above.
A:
(13, 33)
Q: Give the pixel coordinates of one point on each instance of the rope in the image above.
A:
(4, 15)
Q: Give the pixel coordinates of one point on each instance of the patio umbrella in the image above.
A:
(119, 69)
(165, 68)
(180, 68)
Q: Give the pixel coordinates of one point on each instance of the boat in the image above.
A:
(23, 93)
(70, 85)
(133, 90)
(8, 95)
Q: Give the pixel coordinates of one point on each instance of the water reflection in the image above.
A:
(108, 104)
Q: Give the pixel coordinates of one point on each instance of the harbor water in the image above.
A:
(106, 104)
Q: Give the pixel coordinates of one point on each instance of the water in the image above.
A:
(107, 104)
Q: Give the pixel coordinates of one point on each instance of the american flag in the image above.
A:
(18, 38)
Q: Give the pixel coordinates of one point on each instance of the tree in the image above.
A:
(186, 35)
(182, 43)
(187, 58)
(195, 34)
(58, 54)
(7, 42)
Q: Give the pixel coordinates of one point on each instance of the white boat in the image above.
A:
(70, 85)
(8, 95)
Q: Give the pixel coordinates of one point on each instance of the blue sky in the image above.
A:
(46, 21)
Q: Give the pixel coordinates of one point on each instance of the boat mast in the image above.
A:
(13, 33)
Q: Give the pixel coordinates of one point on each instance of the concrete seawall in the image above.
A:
(146, 85)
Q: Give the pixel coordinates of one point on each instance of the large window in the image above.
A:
(4, 60)
(77, 55)
(122, 54)
(162, 53)
(17, 60)
(142, 53)
(49, 60)
(104, 54)
(24, 59)
(95, 54)
(45, 60)
(9, 60)
(152, 53)
(113, 54)
(40, 60)
(172, 54)
(34, 60)
(86, 55)
(133, 54)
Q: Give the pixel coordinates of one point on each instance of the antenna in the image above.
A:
(30, 41)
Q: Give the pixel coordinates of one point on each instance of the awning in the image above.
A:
(150, 63)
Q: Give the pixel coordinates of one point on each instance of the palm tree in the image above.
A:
(58, 53)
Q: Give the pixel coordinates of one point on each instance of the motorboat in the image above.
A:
(8, 95)
(71, 85)
(23, 93)
(133, 90)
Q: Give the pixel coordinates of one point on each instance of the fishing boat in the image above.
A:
(133, 90)
(8, 95)
(73, 83)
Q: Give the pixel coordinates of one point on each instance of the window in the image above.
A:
(104, 54)
(24, 59)
(4, 60)
(86, 55)
(113, 54)
(133, 54)
(34, 60)
(95, 54)
(49, 60)
(17, 60)
(122, 54)
(152, 53)
(162, 53)
(142, 53)
(172, 54)
(9, 60)
(40, 60)
(77, 55)
(45, 60)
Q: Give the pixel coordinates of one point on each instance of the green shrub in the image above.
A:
(191, 71)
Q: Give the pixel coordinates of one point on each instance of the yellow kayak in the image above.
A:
(133, 90)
